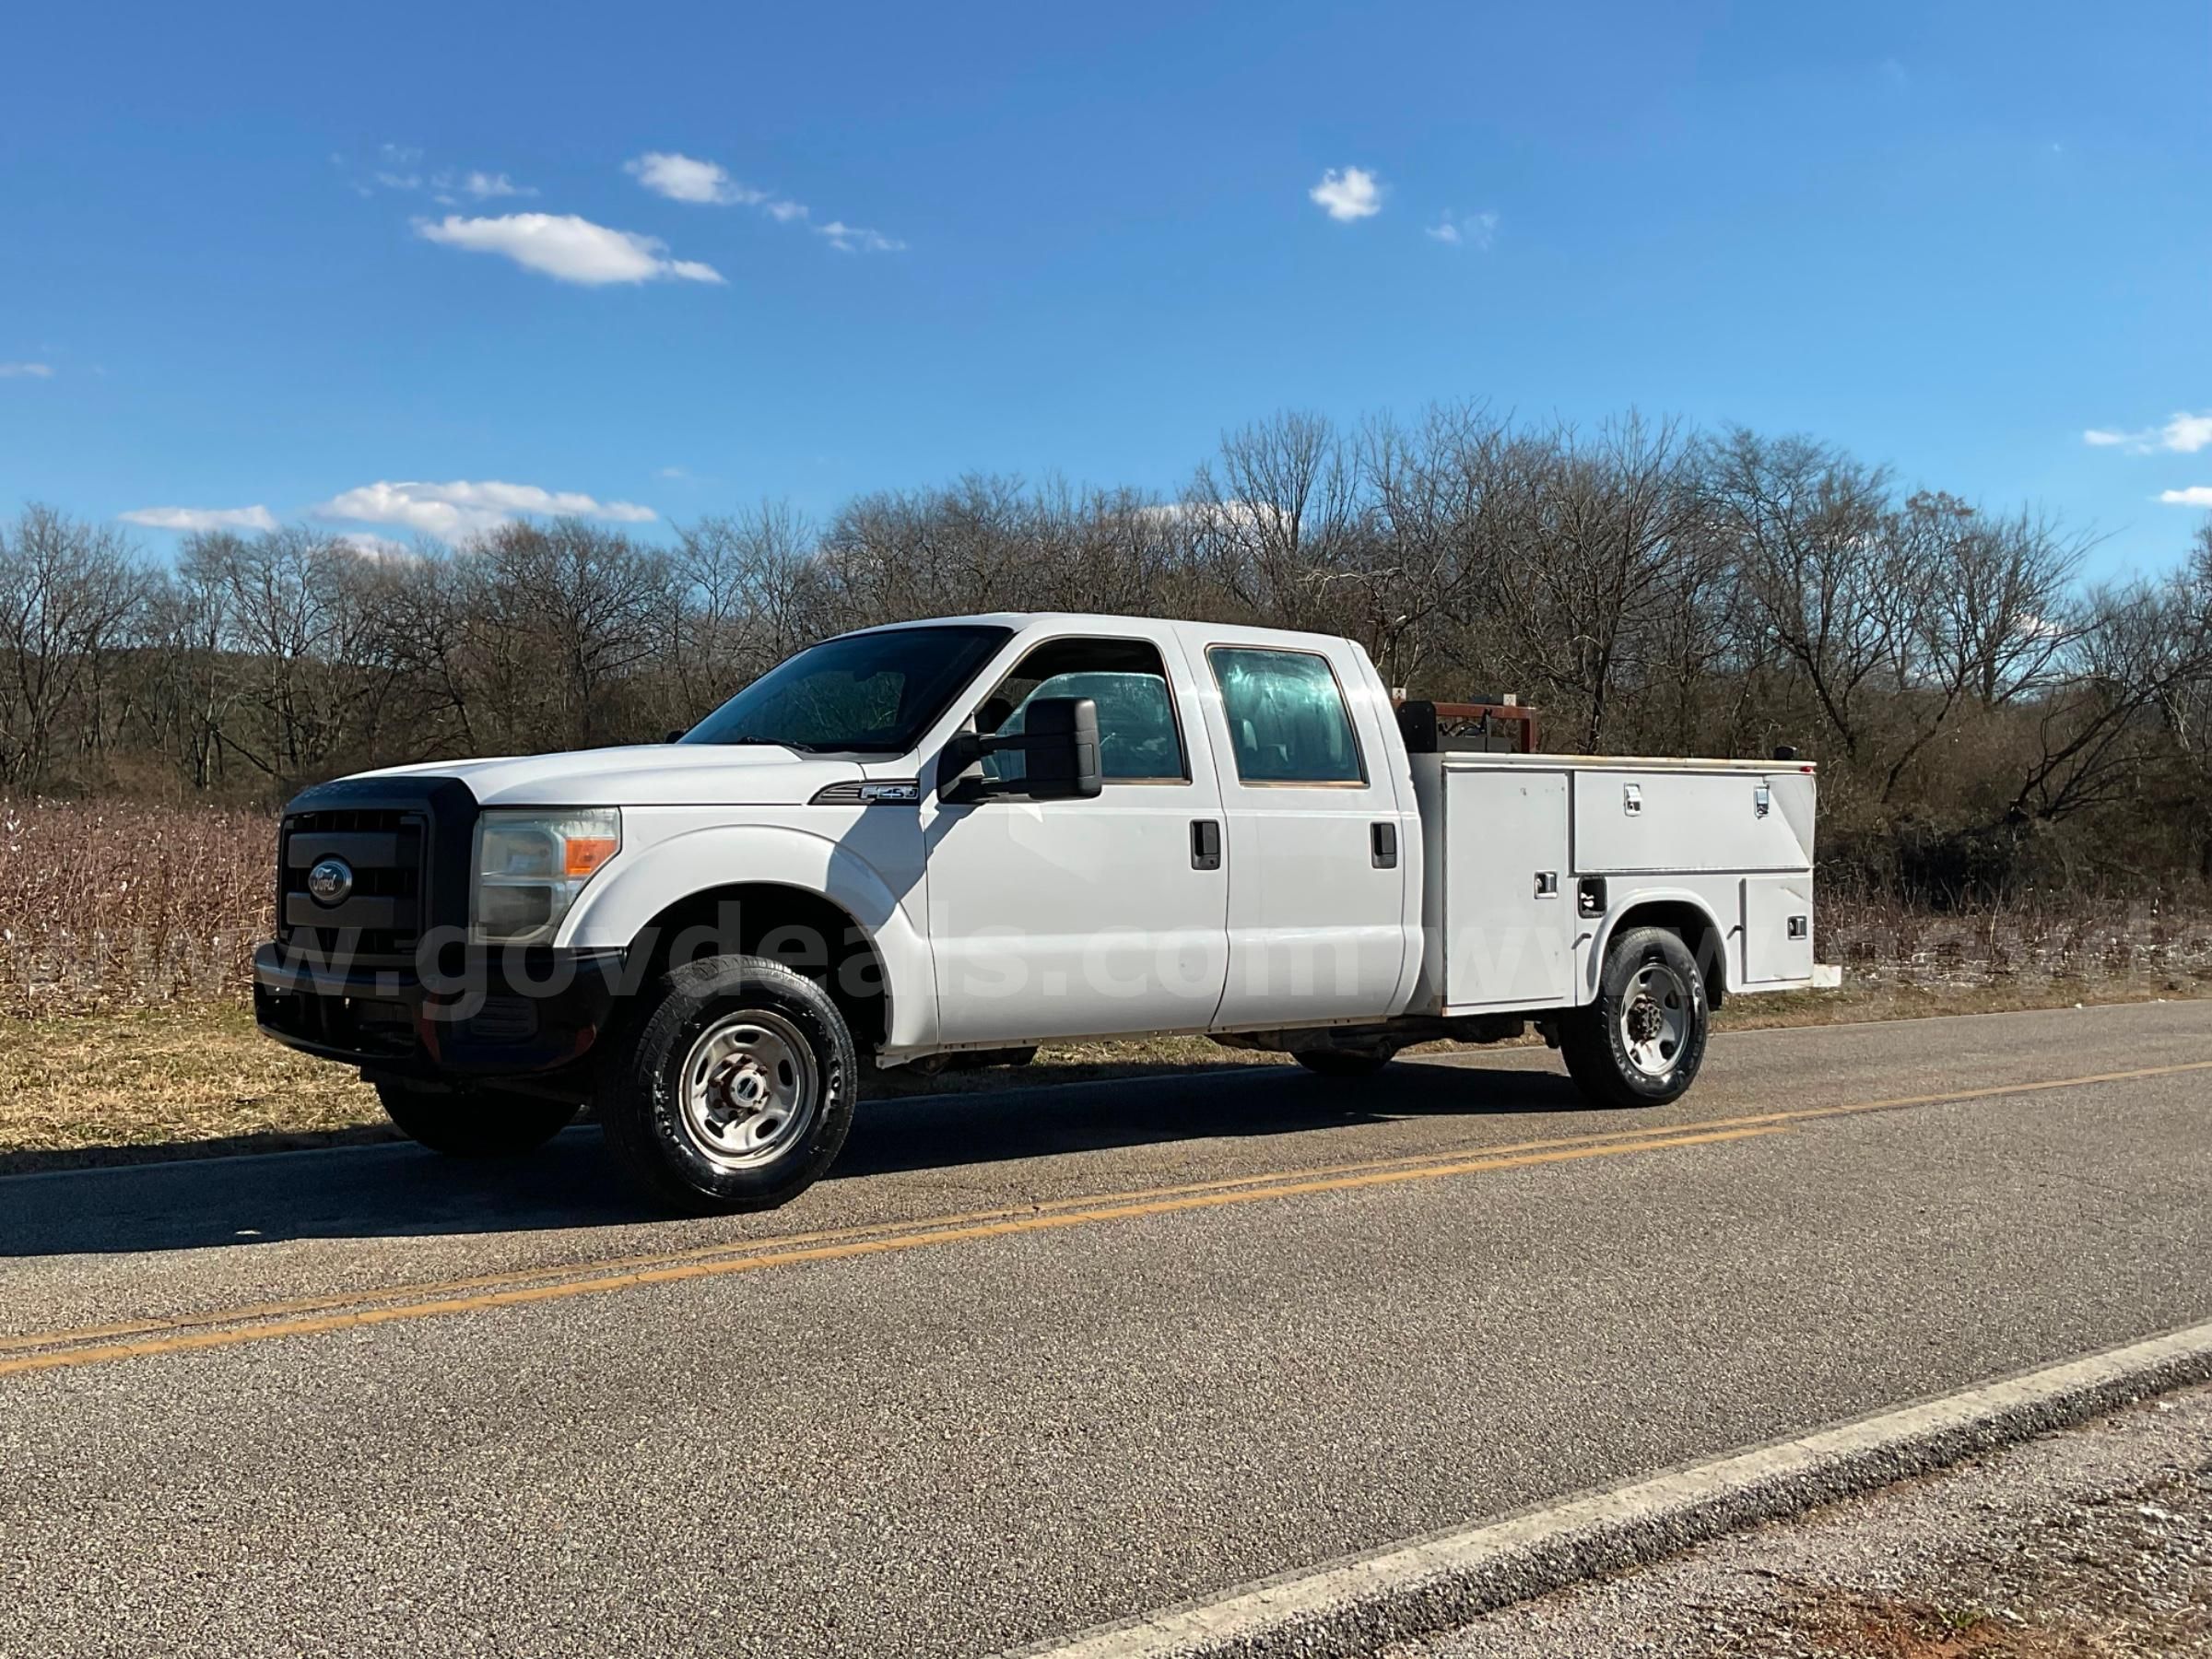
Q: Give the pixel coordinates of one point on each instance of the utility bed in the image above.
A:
(1529, 853)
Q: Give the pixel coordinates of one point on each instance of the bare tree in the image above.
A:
(1270, 513)
(295, 621)
(69, 591)
(562, 618)
(1837, 597)
(1981, 719)
(2138, 651)
(2185, 696)
(1584, 596)
(741, 603)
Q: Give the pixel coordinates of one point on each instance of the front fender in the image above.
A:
(647, 878)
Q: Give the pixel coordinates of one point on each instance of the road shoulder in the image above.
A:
(2096, 1540)
(1430, 1586)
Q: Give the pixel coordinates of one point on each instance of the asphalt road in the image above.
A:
(1037, 1359)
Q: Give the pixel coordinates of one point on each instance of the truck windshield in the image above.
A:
(872, 692)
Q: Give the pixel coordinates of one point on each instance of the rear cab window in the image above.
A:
(1287, 717)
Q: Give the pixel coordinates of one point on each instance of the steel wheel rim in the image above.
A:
(1654, 1019)
(749, 1090)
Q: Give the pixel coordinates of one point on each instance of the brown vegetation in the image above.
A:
(1987, 727)
(108, 904)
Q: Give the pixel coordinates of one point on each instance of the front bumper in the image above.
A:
(504, 1015)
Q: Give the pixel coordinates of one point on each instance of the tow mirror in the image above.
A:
(1059, 746)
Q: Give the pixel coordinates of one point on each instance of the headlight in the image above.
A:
(531, 866)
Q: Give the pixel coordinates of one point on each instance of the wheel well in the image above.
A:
(1694, 928)
(806, 931)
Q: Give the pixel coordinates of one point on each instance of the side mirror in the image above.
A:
(1059, 746)
(1060, 743)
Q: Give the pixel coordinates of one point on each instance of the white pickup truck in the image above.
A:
(946, 843)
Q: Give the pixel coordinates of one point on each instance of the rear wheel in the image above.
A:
(474, 1122)
(1641, 1041)
(736, 1091)
(1342, 1063)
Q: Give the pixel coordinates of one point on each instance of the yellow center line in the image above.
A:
(847, 1251)
(779, 1249)
(525, 1275)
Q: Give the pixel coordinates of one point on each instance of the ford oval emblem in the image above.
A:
(330, 882)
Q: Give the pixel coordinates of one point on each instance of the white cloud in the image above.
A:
(2196, 494)
(399, 170)
(567, 248)
(1468, 230)
(858, 239)
(672, 472)
(201, 518)
(687, 178)
(1230, 515)
(2183, 434)
(26, 371)
(373, 547)
(690, 179)
(1353, 193)
(467, 508)
(481, 186)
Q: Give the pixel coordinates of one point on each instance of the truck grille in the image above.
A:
(383, 917)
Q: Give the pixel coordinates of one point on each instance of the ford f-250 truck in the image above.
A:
(948, 842)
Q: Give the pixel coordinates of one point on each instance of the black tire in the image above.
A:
(756, 1123)
(474, 1123)
(1342, 1063)
(1641, 1041)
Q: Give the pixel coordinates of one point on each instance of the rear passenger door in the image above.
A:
(1316, 855)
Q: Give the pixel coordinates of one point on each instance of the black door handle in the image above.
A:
(1384, 840)
(1205, 844)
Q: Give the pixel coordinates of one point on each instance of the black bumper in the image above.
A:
(503, 1014)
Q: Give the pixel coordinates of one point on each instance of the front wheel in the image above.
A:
(736, 1091)
(474, 1122)
(1641, 1041)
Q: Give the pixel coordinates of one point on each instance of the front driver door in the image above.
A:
(1084, 918)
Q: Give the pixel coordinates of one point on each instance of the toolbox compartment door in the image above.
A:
(1648, 820)
(1778, 930)
(1509, 917)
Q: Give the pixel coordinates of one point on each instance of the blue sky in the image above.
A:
(1954, 237)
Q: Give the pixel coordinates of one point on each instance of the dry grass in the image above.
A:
(107, 906)
(126, 934)
(190, 1080)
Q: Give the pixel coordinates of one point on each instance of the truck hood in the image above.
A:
(654, 774)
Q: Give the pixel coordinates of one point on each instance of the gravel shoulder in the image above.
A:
(2095, 1541)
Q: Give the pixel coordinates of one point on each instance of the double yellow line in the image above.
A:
(264, 1321)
